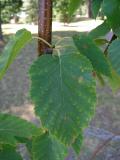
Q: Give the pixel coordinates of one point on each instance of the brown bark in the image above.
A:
(44, 25)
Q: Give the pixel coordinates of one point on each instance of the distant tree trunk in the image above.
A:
(44, 25)
(1, 35)
(90, 9)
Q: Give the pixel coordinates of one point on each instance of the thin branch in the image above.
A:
(100, 148)
(112, 39)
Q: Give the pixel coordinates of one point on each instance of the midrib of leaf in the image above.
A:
(61, 86)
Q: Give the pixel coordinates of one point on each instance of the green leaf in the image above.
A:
(114, 55)
(46, 147)
(12, 49)
(100, 79)
(77, 144)
(96, 5)
(101, 41)
(87, 47)
(100, 31)
(73, 6)
(8, 152)
(114, 81)
(111, 9)
(63, 91)
(12, 127)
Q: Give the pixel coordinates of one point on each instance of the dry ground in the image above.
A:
(82, 26)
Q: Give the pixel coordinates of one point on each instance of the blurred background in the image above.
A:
(14, 87)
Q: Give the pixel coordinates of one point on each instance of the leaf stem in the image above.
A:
(43, 40)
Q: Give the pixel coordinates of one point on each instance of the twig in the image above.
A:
(100, 147)
(112, 39)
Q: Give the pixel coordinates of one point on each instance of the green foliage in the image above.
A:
(114, 81)
(61, 7)
(96, 5)
(74, 5)
(32, 11)
(9, 8)
(77, 144)
(114, 54)
(12, 127)
(8, 152)
(101, 41)
(112, 10)
(12, 49)
(66, 9)
(87, 47)
(114, 57)
(101, 30)
(46, 147)
(62, 91)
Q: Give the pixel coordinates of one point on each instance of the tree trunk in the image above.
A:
(1, 35)
(90, 15)
(44, 25)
